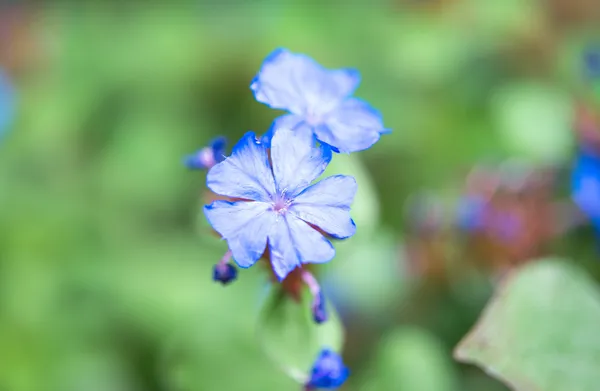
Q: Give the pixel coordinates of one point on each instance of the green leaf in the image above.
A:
(366, 273)
(411, 359)
(535, 120)
(365, 208)
(540, 330)
(289, 335)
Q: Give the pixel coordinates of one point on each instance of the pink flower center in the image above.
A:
(281, 204)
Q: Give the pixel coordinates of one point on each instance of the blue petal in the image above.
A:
(265, 139)
(297, 83)
(293, 242)
(326, 205)
(289, 121)
(296, 160)
(352, 126)
(245, 174)
(245, 226)
(586, 185)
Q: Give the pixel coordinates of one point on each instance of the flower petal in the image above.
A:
(326, 205)
(293, 242)
(297, 161)
(245, 174)
(352, 126)
(289, 121)
(245, 226)
(297, 83)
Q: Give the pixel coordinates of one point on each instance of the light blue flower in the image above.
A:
(279, 205)
(319, 101)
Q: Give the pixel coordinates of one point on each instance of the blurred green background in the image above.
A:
(105, 258)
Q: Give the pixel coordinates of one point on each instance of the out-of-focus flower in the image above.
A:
(319, 101)
(513, 222)
(591, 59)
(277, 205)
(586, 185)
(6, 103)
(208, 156)
(328, 371)
(506, 216)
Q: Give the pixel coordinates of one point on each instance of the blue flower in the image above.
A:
(6, 103)
(279, 205)
(328, 371)
(319, 101)
(586, 185)
(208, 156)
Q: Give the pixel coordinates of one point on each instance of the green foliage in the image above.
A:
(539, 332)
(535, 121)
(411, 359)
(289, 335)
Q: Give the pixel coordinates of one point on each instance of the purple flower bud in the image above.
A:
(224, 273)
(208, 156)
(328, 371)
(318, 308)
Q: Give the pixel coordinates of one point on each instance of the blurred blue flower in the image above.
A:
(591, 58)
(319, 101)
(208, 156)
(328, 372)
(586, 185)
(278, 203)
(6, 102)
(470, 213)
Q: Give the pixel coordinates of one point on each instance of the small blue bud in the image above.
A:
(224, 273)
(328, 372)
(208, 156)
(318, 308)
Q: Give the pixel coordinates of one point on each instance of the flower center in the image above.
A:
(281, 204)
(313, 119)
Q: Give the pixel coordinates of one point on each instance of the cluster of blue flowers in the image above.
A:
(272, 208)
